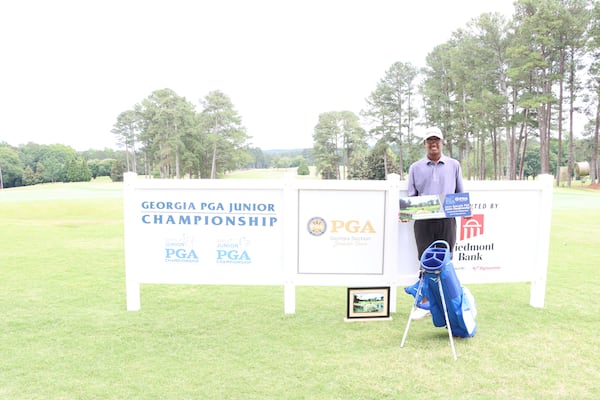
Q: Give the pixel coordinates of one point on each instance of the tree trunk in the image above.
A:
(511, 162)
(571, 111)
(523, 135)
(560, 112)
(542, 123)
(134, 157)
(213, 169)
(495, 153)
(177, 162)
(127, 155)
(595, 171)
(482, 157)
(385, 164)
(467, 155)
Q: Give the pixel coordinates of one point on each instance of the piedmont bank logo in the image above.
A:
(180, 250)
(471, 226)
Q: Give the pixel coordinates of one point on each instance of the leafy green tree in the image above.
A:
(390, 108)
(30, 154)
(359, 168)
(258, 158)
(54, 159)
(168, 120)
(381, 162)
(11, 166)
(117, 171)
(438, 88)
(29, 177)
(307, 154)
(573, 19)
(105, 166)
(128, 129)
(465, 88)
(39, 173)
(93, 166)
(593, 83)
(481, 58)
(224, 139)
(536, 24)
(77, 171)
(337, 136)
(499, 76)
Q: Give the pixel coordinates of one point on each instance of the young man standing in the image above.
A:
(435, 174)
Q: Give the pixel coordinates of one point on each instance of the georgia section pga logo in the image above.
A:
(316, 226)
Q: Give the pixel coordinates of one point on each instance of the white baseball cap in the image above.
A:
(433, 132)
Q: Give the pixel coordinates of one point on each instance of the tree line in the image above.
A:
(505, 92)
(164, 136)
(32, 164)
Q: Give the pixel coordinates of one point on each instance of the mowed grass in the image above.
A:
(65, 332)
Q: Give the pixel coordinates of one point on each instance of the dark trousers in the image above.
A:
(428, 231)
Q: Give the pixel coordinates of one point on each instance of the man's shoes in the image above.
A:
(419, 313)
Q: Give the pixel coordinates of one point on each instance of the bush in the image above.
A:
(303, 169)
(116, 171)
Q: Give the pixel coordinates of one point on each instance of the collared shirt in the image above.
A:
(426, 177)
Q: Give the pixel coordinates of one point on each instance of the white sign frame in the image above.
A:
(267, 240)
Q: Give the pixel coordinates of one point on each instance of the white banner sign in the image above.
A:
(212, 236)
(498, 243)
(341, 232)
(311, 232)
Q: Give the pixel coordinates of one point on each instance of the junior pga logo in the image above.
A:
(180, 250)
(233, 251)
(316, 226)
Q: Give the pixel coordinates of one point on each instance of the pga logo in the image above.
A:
(233, 255)
(180, 254)
(317, 226)
(352, 226)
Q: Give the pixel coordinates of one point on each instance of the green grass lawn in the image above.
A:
(65, 332)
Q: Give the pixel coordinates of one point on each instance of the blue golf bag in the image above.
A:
(436, 268)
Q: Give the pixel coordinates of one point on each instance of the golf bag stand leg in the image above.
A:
(446, 316)
(417, 296)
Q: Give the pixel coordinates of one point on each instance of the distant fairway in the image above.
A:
(99, 189)
(577, 198)
(271, 173)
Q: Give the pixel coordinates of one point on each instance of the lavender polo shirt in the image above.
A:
(426, 177)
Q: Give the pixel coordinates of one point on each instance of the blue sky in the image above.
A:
(69, 68)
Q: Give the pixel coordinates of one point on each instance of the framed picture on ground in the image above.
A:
(368, 302)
